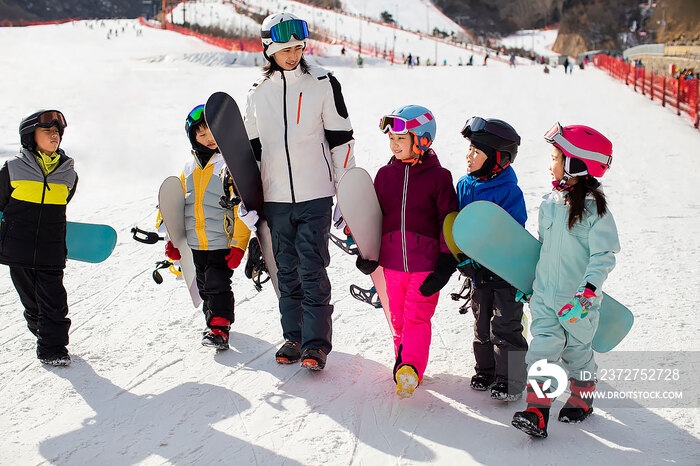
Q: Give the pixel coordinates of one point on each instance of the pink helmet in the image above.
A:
(583, 143)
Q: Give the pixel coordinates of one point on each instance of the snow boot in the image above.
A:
(533, 421)
(500, 391)
(289, 353)
(314, 359)
(580, 404)
(217, 336)
(406, 381)
(56, 360)
(482, 382)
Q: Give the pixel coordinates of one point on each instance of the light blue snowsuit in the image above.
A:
(569, 259)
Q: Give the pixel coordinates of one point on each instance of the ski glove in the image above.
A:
(468, 267)
(434, 282)
(522, 297)
(250, 218)
(578, 307)
(172, 252)
(233, 259)
(366, 266)
(338, 220)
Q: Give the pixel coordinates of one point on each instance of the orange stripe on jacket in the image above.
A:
(347, 156)
(299, 109)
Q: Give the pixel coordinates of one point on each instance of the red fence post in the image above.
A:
(663, 92)
(678, 96)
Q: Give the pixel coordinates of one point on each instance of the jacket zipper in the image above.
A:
(41, 209)
(328, 165)
(286, 141)
(403, 219)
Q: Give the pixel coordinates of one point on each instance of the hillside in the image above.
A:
(37, 10)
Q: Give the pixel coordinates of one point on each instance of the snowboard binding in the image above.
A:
(255, 267)
(465, 292)
(347, 245)
(146, 237)
(366, 296)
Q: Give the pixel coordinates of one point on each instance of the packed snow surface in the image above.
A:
(142, 389)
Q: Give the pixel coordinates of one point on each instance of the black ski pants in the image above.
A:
(499, 344)
(214, 282)
(300, 233)
(45, 302)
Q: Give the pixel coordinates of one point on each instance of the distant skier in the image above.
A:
(416, 194)
(486, 58)
(511, 60)
(579, 242)
(299, 128)
(217, 237)
(35, 188)
(566, 65)
(499, 344)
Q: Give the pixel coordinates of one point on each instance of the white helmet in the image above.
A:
(291, 33)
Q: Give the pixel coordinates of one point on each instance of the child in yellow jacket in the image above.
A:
(217, 237)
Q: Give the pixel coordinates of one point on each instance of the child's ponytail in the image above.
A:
(577, 199)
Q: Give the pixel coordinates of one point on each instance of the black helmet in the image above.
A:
(494, 133)
(40, 119)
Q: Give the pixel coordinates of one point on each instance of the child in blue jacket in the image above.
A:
(579, 242)
(499, 344)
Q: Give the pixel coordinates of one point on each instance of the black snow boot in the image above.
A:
(314, 359)
(533, 421)
(289, 353)
(502, 392)
(482, 382)
(216, 338)
(580, 404)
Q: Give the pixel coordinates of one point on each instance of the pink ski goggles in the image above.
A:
(400, 125)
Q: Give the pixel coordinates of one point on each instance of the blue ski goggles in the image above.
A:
(480, 125)
(283, 32)
(195, 116)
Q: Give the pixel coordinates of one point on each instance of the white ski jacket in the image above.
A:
(300, 130)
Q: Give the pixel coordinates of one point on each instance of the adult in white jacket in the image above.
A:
(299, 128)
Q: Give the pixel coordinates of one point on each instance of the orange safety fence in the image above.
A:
(21, 22)
(680, 94)
(242, 44)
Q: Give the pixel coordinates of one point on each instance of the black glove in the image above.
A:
(366, 266)
(436, 280)
(468, 267)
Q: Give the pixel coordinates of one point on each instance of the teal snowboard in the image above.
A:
(490, 236)
(89, 242)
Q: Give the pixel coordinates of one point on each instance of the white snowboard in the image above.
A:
(171, 200)
(360, 208)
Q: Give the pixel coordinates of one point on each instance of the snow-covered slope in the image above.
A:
(142, 390)
(351, 30)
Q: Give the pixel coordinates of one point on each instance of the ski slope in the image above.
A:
(142, 390)
(351, 30)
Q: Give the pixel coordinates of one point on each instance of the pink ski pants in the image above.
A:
(410, 316)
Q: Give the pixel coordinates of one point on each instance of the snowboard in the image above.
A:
(360, 208)
(225, 122)
(490, 236)
(89, 242)
(171, 201)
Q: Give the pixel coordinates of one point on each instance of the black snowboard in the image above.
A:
(224, 119)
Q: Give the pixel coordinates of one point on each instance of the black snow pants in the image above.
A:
(214, 283)
(300, 233)
(45, 302)
(499, 344)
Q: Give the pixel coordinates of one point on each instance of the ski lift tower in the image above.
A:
(169, 5)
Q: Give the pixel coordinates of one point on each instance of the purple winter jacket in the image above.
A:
(415, 200)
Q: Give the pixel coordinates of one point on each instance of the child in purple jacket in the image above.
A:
(415, 193)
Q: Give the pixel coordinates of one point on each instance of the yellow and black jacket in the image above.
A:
(33, 202)
(208, 225)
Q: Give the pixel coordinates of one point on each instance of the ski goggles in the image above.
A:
(195, 116)
(555, 135)
(400, 125)
(480, 125)
(50, 118)
(283, 32)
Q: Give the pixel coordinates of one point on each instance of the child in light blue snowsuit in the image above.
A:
(579, 240)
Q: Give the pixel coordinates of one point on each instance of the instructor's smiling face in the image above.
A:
(288, 58)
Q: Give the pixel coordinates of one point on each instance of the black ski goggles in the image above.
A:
(283, 32)
(51, 118)
(480, 125)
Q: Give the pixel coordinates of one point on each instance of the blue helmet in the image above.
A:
(412, 119)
